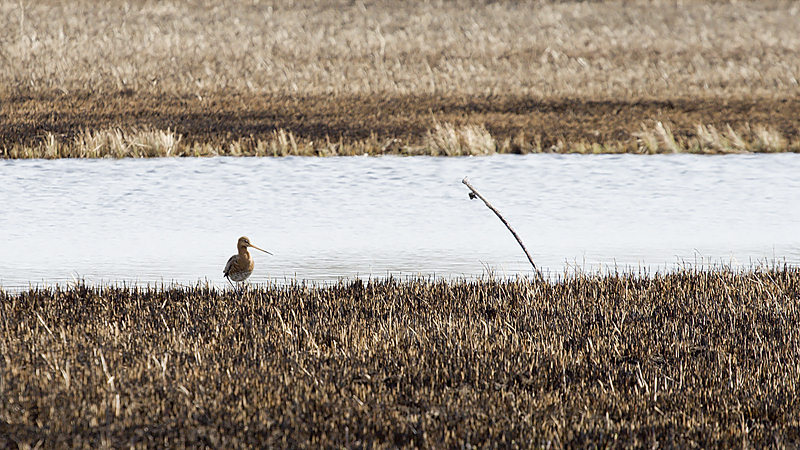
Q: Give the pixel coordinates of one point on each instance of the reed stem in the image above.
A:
(474, 194)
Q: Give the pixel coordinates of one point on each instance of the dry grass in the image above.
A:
(708, 140)
(600, 50)
(445, 139)
(115, 143)
(684, 359)
(340, 78)
(148, 143)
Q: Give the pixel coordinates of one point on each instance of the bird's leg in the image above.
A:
(231, 282)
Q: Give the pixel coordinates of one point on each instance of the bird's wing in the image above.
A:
(229, 265)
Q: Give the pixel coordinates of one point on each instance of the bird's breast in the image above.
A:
(239, 267)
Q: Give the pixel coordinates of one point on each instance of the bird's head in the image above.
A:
(244, 242)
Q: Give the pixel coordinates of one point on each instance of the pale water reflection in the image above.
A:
(163, 220)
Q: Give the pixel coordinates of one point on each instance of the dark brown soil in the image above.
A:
(223, 117)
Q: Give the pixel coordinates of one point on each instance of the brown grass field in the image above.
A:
(687, 359)
(88, 79)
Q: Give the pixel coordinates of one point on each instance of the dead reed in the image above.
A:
(681, 359)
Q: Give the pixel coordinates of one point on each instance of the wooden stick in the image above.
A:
(474, 194)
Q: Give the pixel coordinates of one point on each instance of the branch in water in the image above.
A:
(473, 195)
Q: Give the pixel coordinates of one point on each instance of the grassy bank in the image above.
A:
(376, 77)
(95, 126)
(683, 359)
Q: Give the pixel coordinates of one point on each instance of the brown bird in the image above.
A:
(240, 266)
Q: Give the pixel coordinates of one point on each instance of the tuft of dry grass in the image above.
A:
(707, 140)
(707, 359)
(108, 143)
(768, 139)
(727, 141)
(118, 143)
(468, 140)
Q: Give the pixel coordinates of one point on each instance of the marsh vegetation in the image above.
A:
(682, 359)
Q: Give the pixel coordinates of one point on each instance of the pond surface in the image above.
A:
(177, 220)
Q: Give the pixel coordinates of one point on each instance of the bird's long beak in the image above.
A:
(251, 245)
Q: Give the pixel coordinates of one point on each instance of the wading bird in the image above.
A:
(240, 266)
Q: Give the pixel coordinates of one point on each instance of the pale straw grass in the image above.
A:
(542, 49)
(708, 140)
(443, 139)
(447, 140)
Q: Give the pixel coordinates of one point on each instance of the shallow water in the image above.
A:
(165, 220)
